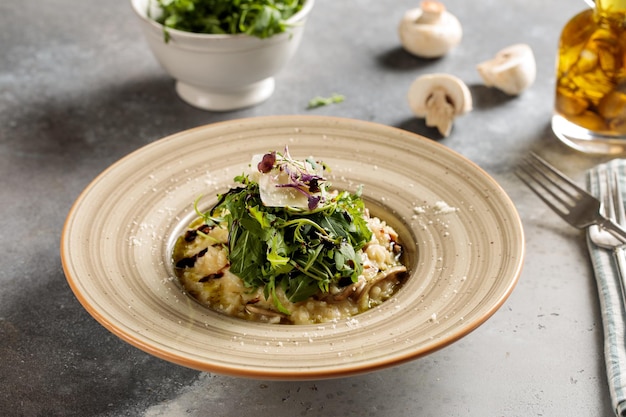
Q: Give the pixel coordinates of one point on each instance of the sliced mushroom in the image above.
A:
(439, 98)
(364, 294)
(250, 308)
(429, 31)
(512, 70)
(350, 290)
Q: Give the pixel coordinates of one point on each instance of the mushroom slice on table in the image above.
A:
(512, 70)
(429, 31)
(439, 98)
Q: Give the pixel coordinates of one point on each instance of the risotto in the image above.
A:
(284, 248)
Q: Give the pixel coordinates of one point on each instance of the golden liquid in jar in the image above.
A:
(591, 73)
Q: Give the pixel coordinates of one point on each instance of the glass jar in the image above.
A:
(590, 103)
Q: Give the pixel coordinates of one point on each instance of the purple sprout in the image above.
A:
(314, 200)
(267, 163)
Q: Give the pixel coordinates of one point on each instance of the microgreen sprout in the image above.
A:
(310, 184)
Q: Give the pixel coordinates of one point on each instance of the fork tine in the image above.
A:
(544, 166)
(542, 176)
(539, 187)
(560, 210)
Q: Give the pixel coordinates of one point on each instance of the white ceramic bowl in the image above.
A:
(222, 72)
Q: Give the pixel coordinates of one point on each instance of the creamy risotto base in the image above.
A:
(201, 260)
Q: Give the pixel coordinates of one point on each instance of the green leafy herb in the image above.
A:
(325, 101)
(299, 250)
(260, 18)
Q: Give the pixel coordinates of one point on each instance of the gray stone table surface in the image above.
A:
(79, 89)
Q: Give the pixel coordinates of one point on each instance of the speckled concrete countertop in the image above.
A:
(79, 89)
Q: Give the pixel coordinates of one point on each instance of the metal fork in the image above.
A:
(567, 199)
(609, 192)
(614, 208)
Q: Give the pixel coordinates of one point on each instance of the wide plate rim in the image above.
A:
(332, 370)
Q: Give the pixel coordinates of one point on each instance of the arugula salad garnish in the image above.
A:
(301, 248)
(260, 18)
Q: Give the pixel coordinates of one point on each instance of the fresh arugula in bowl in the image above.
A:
(260, 18)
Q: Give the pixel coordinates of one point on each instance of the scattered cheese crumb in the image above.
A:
(442, 207)
(352, 323)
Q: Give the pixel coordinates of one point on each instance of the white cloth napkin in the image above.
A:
(611, 305)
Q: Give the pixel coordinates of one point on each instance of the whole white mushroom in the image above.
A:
(429, 31)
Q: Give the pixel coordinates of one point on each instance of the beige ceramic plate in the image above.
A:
(465, 256)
